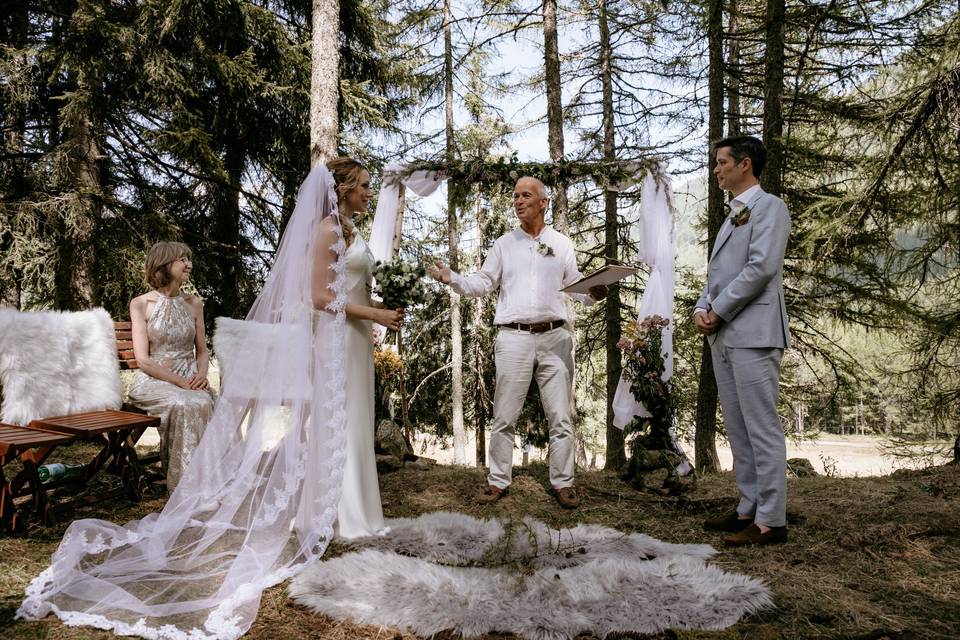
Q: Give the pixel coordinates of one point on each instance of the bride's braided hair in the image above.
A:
(346, 174)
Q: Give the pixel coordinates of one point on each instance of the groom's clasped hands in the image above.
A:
(707, 322)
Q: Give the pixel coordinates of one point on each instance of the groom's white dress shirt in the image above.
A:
(738, 203)
(529, 280)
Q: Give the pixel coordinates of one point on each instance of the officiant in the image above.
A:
(529, 265)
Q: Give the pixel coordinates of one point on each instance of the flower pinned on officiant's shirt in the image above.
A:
(741, 217)
(545, 250)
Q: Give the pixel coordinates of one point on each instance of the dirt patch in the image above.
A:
(829, 454)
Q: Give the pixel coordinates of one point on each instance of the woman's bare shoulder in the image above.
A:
(193, 301)
(140, 302)
(328, 225)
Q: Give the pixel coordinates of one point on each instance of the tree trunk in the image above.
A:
(453, 239)
(481, 415)
(705, 448)
(561, 208)
(615, 453)
(76, 225)
(551, 59)
(734, 108)
(772, 178)
(75, 275)
(324, 81)
(10, 278)
(226, 259)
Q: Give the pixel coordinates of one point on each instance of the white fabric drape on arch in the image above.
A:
(422, 183)
(656, 250)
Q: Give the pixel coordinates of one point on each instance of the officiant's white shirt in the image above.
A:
(529, 281)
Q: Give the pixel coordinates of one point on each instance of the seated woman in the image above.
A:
(170, 346)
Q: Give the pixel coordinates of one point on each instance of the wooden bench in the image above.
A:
(124, 333)
(128, 362)
(117, 433)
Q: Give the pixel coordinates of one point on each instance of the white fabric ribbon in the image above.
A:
(656, 250)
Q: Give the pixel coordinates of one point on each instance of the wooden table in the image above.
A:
(31, 447)
(117, 433)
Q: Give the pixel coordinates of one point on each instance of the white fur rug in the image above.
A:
(450, 571)
(56, 363)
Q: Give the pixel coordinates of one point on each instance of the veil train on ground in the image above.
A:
(259, 500)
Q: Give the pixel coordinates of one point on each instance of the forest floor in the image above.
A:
(869, 558)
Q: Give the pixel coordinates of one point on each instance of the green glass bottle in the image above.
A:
(57, 470)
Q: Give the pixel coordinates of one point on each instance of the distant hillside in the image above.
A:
(690, 203)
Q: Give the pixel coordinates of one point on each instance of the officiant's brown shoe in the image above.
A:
(753, 536)
(730, 522)
(566, 497)
(491, 494)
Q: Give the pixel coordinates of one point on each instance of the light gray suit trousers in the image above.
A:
(745, 288)
(548, 358)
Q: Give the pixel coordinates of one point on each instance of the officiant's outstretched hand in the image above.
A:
(442, 273)
(599, 292)
(529, 265)
(439, 272)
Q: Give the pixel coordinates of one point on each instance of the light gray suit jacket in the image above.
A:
(745, 277)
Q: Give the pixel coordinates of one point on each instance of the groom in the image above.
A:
(743, 314)
(529, 265)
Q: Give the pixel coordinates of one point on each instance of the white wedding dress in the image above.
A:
(360, 512)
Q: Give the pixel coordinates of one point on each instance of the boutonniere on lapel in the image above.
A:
(545, 250)
(741, 218)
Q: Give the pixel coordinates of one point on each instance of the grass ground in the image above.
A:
(868, 558)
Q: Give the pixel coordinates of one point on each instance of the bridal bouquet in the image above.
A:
(400, 284)
(641, 344)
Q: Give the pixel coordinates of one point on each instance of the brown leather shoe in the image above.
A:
(731, 522)
(566, 497)
(491, 494)
(752, 536)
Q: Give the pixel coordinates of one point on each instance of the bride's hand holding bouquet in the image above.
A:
(399, 284)
(392, 319)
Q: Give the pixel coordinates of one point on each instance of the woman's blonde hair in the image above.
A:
(159, 258)
(346, 174)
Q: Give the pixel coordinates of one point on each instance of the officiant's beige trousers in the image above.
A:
(548, 358)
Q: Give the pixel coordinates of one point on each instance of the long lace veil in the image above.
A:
(259, 500)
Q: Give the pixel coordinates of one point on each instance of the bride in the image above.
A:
(252, 509)
(360, 513)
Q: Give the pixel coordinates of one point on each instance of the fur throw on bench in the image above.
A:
(56, 363)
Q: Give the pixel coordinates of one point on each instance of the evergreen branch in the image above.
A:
(940, 94)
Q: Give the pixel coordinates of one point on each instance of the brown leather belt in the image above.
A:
(536, 327)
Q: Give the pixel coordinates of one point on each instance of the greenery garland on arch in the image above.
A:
(485, 172)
